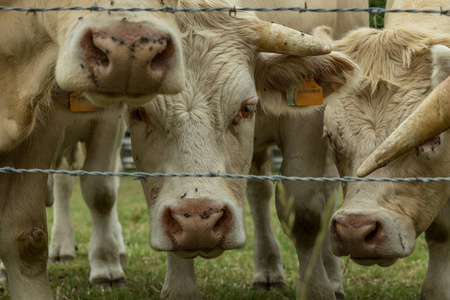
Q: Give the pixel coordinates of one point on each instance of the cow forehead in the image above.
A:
(363, 120)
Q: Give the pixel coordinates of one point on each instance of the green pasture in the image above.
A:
(227, 277)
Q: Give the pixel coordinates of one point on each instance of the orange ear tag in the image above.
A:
(307, 94)
(80, 104)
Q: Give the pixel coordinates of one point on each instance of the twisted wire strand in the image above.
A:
(171, 9)
(144, 175)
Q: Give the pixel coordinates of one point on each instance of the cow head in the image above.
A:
(209, 127)
(379, 222)
(117, 57)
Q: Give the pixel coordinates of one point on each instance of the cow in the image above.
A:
(101, 139)
(305, 153)
(113, 59)
(379, 222)
(209, 127)
(99, 151)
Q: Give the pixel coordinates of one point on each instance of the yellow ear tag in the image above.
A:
(79, 104)
(309, 93)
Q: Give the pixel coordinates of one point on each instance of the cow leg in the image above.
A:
(304, 154)
(3, 276)
(62, 243)
(437, 280)
(268, 264)
(23, 235)
(180, 279)
(100, 194)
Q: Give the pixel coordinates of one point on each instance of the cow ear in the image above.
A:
(276, 74)
(441, 64)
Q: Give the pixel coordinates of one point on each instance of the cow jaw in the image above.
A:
(120, 58)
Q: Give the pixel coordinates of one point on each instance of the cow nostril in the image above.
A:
(171, 225)
(223, 224)
(165, 51)
(372, 235)
(94, 54)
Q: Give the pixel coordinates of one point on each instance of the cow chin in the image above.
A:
(110, 99)
(207, 254)
(382, 262)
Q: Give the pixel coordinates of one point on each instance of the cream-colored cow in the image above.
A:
(210, 127)
(112, 58)
(305, 153)
(379, 222)
(99, 151)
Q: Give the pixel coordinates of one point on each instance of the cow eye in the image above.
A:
(431, 144)
(246, 111)
(326, 133)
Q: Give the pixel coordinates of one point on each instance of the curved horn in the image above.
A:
(276, 38)
(428, 120)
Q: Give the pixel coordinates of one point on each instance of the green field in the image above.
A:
(228, 277)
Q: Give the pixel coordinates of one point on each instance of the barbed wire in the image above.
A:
(144, 175)
(234, 10)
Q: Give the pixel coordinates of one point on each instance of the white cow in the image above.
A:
(210, 127)
(379, 222)
(113, 58)
(305, 153)
(102, 139)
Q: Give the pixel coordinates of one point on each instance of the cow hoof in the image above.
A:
(61, 259)
(108, 284)
(339, 295)
(269, 285)
(119, 284)
(3, 276)
(123, 260)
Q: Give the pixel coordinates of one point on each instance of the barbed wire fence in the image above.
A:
(232, 11)
(144, 175)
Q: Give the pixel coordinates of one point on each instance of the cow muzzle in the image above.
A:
(370, 239)
(121, 62)
(199, 227)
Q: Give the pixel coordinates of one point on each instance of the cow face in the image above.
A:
(209, 127)
(118, 57)
(379, 222)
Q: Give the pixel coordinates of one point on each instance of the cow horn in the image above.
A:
(276, 38)
(428, 120)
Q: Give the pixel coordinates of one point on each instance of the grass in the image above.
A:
(377, 21)
(227, 277)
